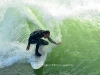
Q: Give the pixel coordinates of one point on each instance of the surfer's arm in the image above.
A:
(28, 46)
(29, 41)
(51, 40)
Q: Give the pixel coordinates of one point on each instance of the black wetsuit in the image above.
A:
(36, 38)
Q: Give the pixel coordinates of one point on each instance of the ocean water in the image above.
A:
(74, 23)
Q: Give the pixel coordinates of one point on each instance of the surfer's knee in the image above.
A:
(45, 43)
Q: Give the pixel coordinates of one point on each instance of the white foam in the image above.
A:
(11, 53)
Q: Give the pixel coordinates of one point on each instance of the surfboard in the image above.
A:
(38, 61)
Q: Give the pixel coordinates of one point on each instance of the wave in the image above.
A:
(75, 23)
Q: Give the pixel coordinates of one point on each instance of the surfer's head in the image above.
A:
(46, 34)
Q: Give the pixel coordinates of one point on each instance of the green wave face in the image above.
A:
(79, 52)
(74, 23)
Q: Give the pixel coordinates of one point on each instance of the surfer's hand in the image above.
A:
(58, 43)
(28, 47)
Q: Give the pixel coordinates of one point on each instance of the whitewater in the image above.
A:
(74, 23)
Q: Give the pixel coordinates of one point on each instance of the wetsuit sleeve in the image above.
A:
(51, 40)
(29, 40)
(28, 43)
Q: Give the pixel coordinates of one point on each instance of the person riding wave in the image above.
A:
(36, 38)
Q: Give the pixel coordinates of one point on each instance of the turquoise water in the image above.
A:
(74, 23)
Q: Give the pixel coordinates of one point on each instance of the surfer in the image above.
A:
(36, 38)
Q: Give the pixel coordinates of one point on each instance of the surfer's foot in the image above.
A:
(37, 54)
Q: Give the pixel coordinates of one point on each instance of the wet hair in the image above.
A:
(46, 32)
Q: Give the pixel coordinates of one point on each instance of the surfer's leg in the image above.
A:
(36, 51)
(40, 42)
(37, 47)
(37, 42)
(43, 42)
